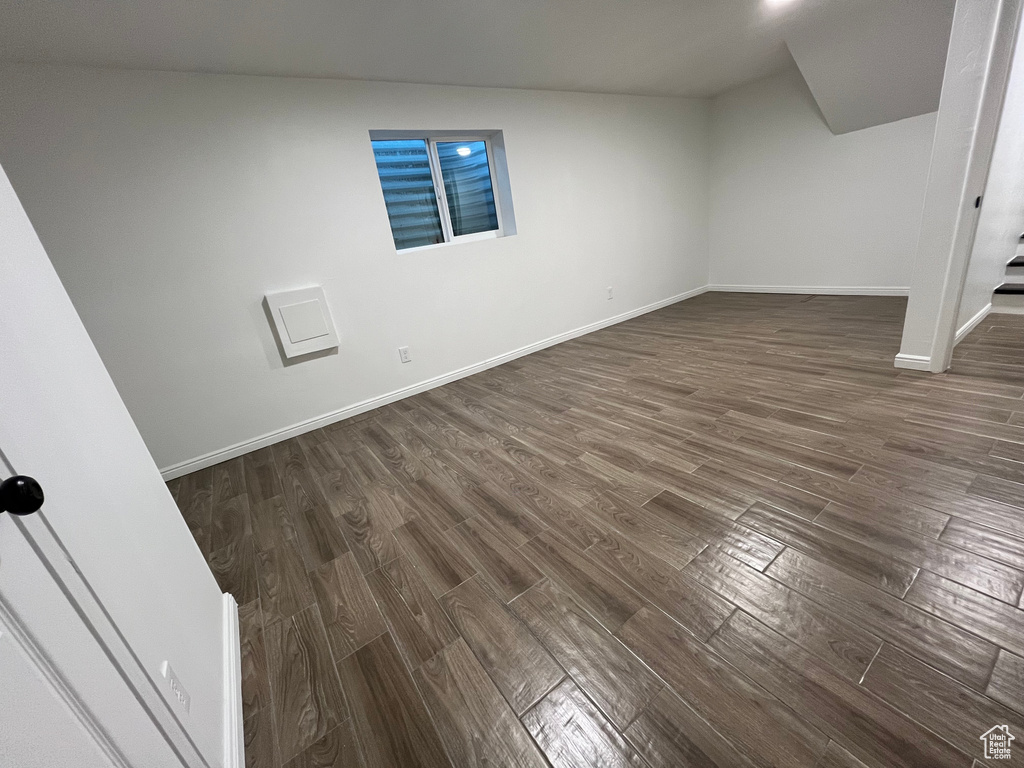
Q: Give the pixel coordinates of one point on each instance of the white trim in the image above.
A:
(1006, 310)
(234, 738)
(913, 362)
(490, 234)
(246, 446)
(439, 193)
(971, 324)
(818, 290)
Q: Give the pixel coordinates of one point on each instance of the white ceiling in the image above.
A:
(873, 68)
(669, 47)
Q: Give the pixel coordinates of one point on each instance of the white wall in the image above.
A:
(1002, 214)
(793, 205)
(981, 47)
(170, 203)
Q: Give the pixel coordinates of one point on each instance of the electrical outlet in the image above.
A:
(176, 687)
(609, 293)
(403, 354)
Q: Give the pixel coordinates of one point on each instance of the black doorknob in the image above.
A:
(20, 495)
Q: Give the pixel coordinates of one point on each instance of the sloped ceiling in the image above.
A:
(870, 66)
(865, 60)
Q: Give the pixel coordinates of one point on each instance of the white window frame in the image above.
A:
(442, 198)
(437, 178)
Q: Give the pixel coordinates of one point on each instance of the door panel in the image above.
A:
(29, 695)
(57, 683)
(113, 535)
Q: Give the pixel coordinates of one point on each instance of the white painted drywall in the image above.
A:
(981, 50)
(793, 205)
(171, 203)
(1002, 214)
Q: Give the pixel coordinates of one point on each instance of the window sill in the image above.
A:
(490, 235)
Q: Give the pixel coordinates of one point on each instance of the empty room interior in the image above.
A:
(537, 384)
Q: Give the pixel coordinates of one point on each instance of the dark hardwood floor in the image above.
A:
(727, 533)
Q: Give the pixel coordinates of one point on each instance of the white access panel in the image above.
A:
(302, 321)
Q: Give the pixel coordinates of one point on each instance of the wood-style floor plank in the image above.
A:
(678, 541)
(669, 733)
(284, 586)
(983, 574)
(509, 571)
(873, 504)
(418, 624)
(840, 643)
(598, 590)
(465, 704)
(945, 646)
(865, 725)
(520, 667)
(573, 733)
(234, 566)
(985, 542)
(308, 700)
(754, 720)
(255, 684)
(860, 560)
(957, 714)
(261, 479)
(195, 500)
(837, 757)
(694, 606)
(606, 670)
(987, 617)
(391, 722)
(258, 737)
(666, 541)
(337, 749)
(320, 539)
(745, 544)
(1007, 682)
(347, 606)
(441, 565)
(232, 523)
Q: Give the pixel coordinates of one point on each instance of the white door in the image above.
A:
(104, 585)
(27, 688)
(63, 702)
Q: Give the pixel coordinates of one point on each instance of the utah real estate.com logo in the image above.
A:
(997, 742)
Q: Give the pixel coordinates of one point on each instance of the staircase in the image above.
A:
(1009, 297)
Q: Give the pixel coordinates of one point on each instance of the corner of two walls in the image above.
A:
(170, 203)
(796, 208)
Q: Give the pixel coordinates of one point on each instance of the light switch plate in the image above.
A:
(302, 321)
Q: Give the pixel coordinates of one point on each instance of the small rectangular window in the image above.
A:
(438, 189)
(405, 177)
(467, 186)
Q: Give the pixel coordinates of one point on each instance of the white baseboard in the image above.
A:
(913, 362)
(234, 738)
(239, 449)
(971, 324)
(818, 290)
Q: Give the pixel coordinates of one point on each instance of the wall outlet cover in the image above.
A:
(302, 321)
